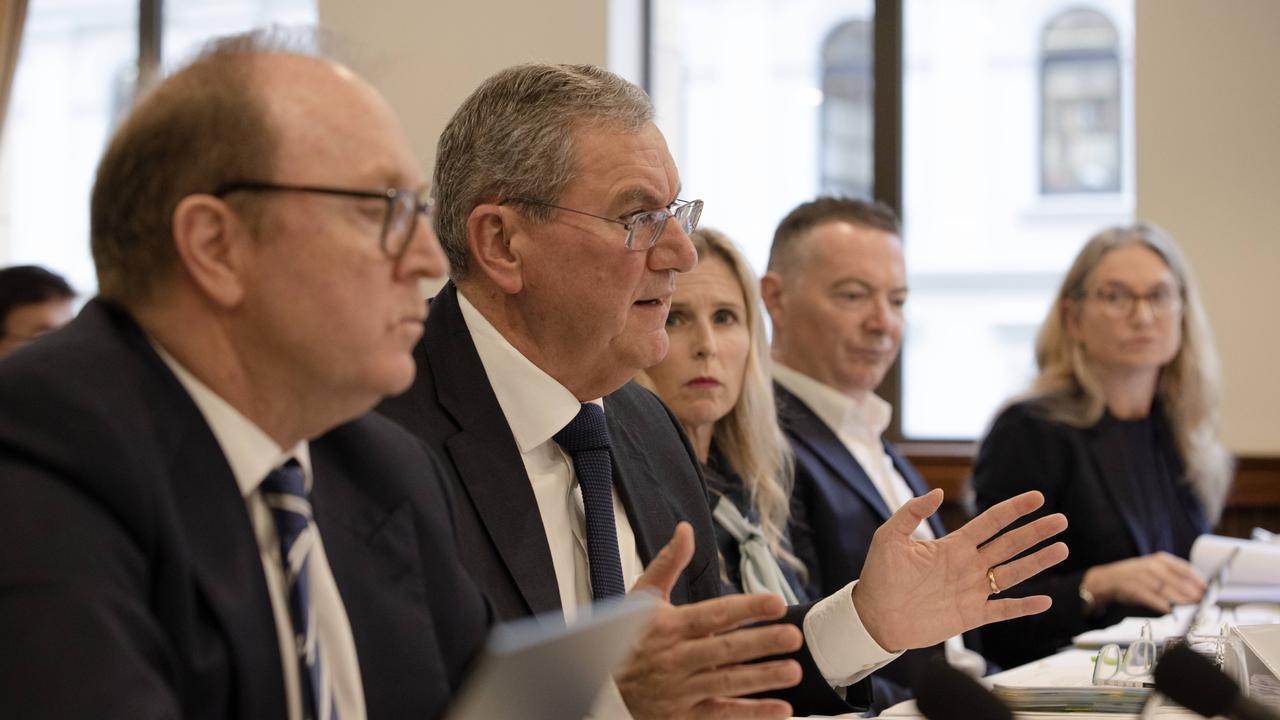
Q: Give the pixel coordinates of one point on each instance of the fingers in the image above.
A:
(1012, 573)
(739, 646)
(662, 573)
(999, 516)
(746, 679)
(723, 613)
(1015, 541)
(1010, 608)
(912, 513)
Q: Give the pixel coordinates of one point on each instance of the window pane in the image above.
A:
(764, 104)
(985, 247)
(74, 80)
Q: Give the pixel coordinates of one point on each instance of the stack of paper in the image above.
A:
(1254, 575)
(1084, 698)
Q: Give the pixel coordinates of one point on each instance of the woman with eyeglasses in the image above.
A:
(715, 379)
(1119, 433)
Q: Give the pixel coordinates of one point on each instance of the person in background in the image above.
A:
(33, 301)
(835, 290)
(715, 379)
(1119, 431)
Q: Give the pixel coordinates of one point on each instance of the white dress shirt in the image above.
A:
(536, 407)
(252, 454)
(860, 425)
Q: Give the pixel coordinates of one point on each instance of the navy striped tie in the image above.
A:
(586, 439)
(285, 492)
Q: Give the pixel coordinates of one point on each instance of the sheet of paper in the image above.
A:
(1257, 564)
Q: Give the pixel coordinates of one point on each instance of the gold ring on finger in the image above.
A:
(991, 581)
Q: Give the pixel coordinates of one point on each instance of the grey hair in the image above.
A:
(513, 137)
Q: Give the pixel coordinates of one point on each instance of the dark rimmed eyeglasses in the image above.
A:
(398, 221)
(643, 228)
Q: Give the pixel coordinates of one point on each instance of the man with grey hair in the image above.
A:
(559, 209)
(198, 517)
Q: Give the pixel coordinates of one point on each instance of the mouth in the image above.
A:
(654, 303)
(702, 383)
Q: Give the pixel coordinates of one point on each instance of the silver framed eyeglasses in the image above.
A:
(402, 207)
(643, 228)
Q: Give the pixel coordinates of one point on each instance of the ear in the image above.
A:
(772, 294)
(209, 237)
(491, 229)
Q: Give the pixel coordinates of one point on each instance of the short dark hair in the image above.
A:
(27, 285)
(202, 127)
(806, 216)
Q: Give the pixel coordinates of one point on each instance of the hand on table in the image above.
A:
(1158, 581)
(688, 664)
(917, 593)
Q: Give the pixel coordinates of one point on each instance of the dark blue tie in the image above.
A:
(285, 492)
(586, 439)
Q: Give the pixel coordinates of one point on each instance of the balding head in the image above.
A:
(789, 254)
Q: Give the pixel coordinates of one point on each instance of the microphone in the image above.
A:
(1193, 682)
(945, 693)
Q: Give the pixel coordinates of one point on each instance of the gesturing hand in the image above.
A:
(916, 593)
(687, 664)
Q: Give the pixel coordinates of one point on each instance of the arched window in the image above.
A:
(848, 89)
(1080, 104)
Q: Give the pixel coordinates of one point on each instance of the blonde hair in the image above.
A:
(749, 436)
(1188, 387)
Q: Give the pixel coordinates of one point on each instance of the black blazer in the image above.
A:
(1083, 474)
(452, 407)
(131, 584)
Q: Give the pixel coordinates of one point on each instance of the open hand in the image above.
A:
(688, 664)
(917, 593)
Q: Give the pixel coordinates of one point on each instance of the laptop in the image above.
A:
(538, 668)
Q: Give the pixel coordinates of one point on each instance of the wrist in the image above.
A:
(1091, 598)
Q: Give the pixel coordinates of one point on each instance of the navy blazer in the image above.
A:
(131, 585)
(452, 407)
(1083, 474)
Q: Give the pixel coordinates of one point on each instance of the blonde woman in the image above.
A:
(1119, 433)
(715, 379)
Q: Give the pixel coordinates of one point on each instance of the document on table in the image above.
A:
(1175, 623)
(1254, 575)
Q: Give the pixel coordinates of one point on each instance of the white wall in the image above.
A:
(426, 57)
(1208, 170)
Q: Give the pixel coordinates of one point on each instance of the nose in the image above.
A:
(704, 342)
(1144, 310)
(673, 251)
(882, 316)
(423, 257)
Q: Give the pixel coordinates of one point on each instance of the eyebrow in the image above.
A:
(642, 196)
(867, 285)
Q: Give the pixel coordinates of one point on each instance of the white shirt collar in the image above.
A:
(250, 452)
(535, 404)
(837, 410)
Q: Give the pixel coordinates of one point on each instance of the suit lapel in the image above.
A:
(224, 553)
(805, 428)
(1106, 450)
(486, 456)
(639, 487)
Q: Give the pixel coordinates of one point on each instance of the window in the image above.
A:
(767, 103)
(1080, 101)
(75, 81)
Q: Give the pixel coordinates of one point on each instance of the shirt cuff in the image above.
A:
(841, 647)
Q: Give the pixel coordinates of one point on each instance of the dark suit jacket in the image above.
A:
(835, 511)
(452, 407)
(1083, 474)
(131, 584)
